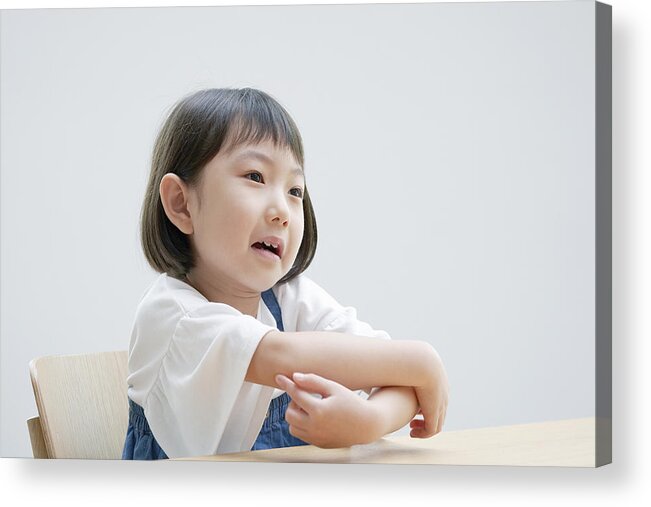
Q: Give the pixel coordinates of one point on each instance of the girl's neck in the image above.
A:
(246, 303)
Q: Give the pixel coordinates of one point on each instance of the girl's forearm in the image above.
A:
(393, 407)
(356, 362)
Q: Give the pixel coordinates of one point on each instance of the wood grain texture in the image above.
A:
(82, 403)
(36, 438)
(569, 443)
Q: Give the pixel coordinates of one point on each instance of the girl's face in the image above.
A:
(247, 218)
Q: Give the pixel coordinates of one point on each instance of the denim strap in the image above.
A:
(270, 300)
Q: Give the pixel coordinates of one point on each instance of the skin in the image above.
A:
(254, 191)
(241, 198)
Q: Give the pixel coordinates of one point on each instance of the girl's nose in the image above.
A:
(278, 212)
(283, 222)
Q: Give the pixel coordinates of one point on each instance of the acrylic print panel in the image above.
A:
(458, 159)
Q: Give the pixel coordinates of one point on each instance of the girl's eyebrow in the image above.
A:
(264, 158)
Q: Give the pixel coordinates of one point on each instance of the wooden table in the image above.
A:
(568, 443)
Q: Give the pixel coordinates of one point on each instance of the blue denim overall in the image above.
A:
(141, 444)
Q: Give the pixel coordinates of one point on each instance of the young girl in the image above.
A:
(223, 335)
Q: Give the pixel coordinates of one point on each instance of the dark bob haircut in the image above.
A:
(198, 127)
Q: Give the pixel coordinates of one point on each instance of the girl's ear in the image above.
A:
(174, 194)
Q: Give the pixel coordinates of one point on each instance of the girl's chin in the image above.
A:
(263, 283)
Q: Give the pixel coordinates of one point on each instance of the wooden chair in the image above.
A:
(82, 406)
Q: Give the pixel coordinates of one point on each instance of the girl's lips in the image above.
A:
(277, 243)
(267, 254)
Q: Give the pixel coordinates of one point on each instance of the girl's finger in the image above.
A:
(284, 382)
(302, 398)
(416, 423)
(431, 422)
(296, 416)
(441, 422)
(417, 433)
(315, 384)
(296, 406)
(421, 432)
(421, 428)
(434, 428)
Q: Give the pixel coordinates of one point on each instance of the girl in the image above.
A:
(221, 336)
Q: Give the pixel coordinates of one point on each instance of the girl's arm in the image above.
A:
(340, 418)
(357, 362)
(393, 407)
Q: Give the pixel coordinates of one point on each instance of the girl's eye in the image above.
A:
(297, 192)
(255, 176)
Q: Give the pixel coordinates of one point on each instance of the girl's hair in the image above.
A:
(199, 126)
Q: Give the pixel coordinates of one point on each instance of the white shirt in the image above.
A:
(188, 358)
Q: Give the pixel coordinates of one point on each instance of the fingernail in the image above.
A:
(299, 376)
(279, 379)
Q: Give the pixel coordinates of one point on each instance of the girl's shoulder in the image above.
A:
(168, 300)
(167, 294)
(301, 288)
(305, 304)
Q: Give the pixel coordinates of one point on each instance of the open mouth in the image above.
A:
(268, 247)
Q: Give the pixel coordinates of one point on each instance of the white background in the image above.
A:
(449, 155)
(320, 484)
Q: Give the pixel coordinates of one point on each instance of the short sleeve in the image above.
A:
(200, 384)
(309, 307)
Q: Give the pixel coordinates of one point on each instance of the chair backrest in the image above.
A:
(36, 438)
(82, 404)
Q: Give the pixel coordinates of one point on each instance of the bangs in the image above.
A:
(258, 118)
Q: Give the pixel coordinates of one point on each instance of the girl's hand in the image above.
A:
(340, 418)
(433, 401)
